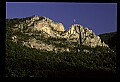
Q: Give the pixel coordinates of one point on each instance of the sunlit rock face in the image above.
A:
(46, 22)
(76, 33)
(87, 36)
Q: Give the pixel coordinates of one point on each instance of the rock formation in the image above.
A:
(77, 33)
(87, 36)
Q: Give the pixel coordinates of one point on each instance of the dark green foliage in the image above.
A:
(110, 39)
(12, 22)
(21, 61)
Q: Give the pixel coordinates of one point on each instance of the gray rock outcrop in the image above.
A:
(87, 37)
(77, 33)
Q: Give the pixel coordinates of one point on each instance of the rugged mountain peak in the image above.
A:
(77, 33)
(35, 17)
(40, 23)
(84, 36)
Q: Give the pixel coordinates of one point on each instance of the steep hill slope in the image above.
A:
(110, 39)
(41, 31)
(35, 51)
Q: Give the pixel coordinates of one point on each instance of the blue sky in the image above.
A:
(99, 17)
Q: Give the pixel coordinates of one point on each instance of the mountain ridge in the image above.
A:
(36, 53)
(41, 24)
(110, 39)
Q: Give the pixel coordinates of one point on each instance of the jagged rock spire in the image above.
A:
(76, 33)
(86, 36)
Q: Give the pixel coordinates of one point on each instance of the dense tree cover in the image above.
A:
(25, 62)
(12, 22)
(21, 61)
(110, 39)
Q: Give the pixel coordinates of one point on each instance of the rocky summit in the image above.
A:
(43, 33)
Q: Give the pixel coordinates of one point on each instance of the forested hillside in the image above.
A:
(110, 39)
(81, 61)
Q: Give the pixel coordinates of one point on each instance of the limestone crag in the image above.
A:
(47, 27)
(39, 22)
(14, 38)
(57, 26)
(33, 43)
(88, 37)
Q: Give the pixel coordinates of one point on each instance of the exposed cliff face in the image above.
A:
(77, 33)
(40, 23)
(87, 36)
